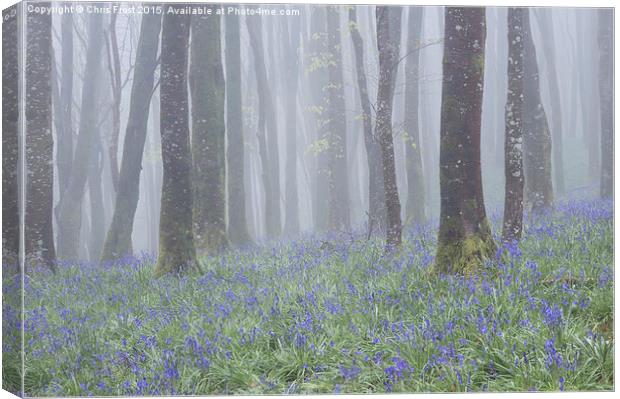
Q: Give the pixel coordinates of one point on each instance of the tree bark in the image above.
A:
(513, 144)
(388, 42)
(208, 134)
(177, 252)
(536, 135)
(415, 175)
(606, 84)
(465, 239)
(38, 229)
(64, 147)
(235, 151)
(118, 238)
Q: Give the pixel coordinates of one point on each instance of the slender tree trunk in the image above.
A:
(114, 65)
(177, 253)
(536, 135)
(513, 145)
(95, 195)
(235, 151)
(415, 174)
(376, 191)
(39, 234)
(118, 238)
(336, 127)
(64, 147)
(465, 239)
(606, 84)
(208, 134)
(545, 23)
(291, 47)
(388, 42)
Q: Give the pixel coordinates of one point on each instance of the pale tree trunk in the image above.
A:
(64, 147)
(606, 84)
(465, 240)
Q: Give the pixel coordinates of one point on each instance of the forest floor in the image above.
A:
(312, 317)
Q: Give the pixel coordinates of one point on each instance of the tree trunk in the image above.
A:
(95, 195)
(513, 145)
(376, 191)
(336, 127)
(237, 223)
(536, 135)
(177, 253)
(38, 229)
(606, 84)
(465, 239)
(208, 134)
(118, 238)
(388, 42)
(114, 65)
(415, 174)
(290, 51)
(64, 146)
(545, 23)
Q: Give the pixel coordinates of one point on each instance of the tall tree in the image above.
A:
(415, 174)
(336, 127)
(513, 144)
(465, 239)
(544, 17)
(237, 223)
(38, 229)
(606, 84)
(177, 252)
(536, 135)
(64, 147)
(291, 38)
(208, 134)
(118, 238)
(69, 207)
(114, 68)
(388, 43)
(376, 190)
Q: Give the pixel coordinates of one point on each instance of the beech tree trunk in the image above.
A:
(118, 238)
(177, 253)
(606, 84)
(513, 144)
(465, 239)
(388, 42)
(64, 146)
(38, 229)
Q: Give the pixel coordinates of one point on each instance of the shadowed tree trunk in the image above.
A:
(606, 84)
(545, 23)
(177, 253)
(513, 145)
(536, 135)
(336, 127)
(415, 175)
(290, 50)
(388, 42)
(237, 223)
(376, 191)
(465, 239)
(265, 122)
(38, 229)
(118, 238)
(208, 135)
(10, 142)
(64, 146)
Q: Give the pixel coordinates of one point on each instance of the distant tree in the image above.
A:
(291, 38)
(177, 253)
(114, 68)
(536, 135)
(235, 150)
(606, 84)
(64, 145)
(388, 42)
(207, 89)
(415, 174)
(336, 126)
(69, 207)
(118, 238)
(513, 145)
(544, 17)
(465, 239)
(376, 190)
(39, 167)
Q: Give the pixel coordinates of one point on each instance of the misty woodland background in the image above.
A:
(351, 199)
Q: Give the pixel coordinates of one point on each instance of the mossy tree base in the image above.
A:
(465, 256)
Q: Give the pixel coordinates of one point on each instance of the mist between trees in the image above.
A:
(188, 134)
